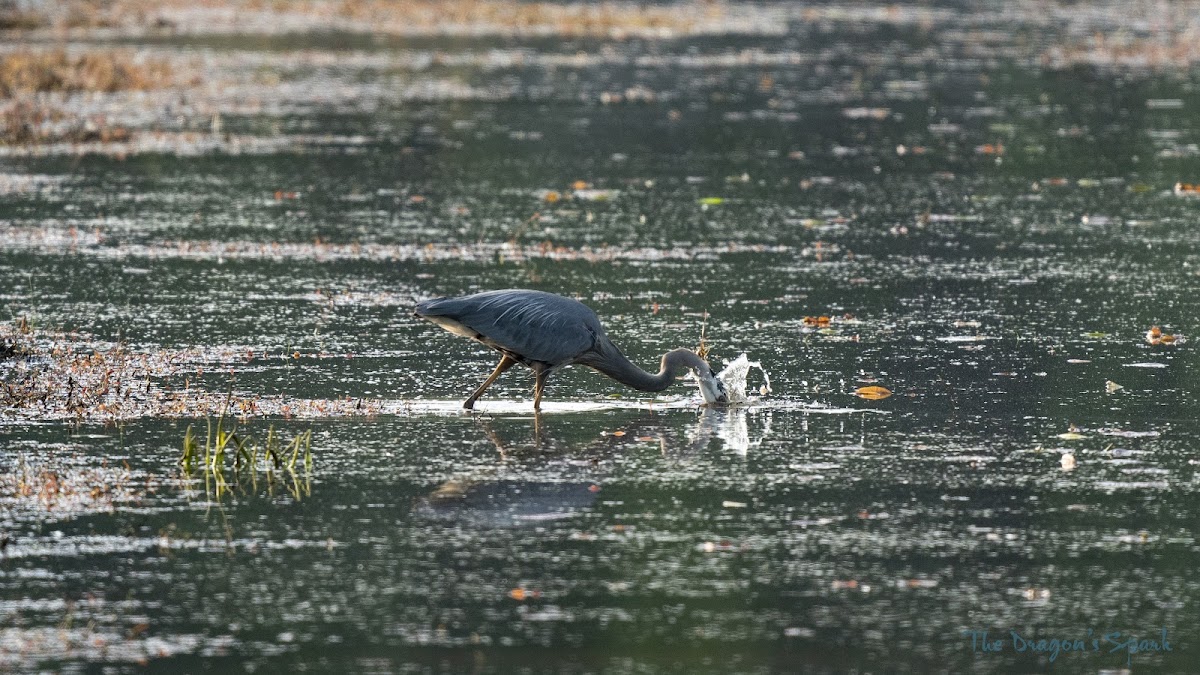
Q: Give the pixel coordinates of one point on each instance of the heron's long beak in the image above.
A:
(712, 388)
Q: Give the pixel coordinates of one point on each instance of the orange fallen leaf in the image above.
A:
(552, 196)
(580, 185)
(520, 594)
(618, 433)
(1155, 336)
(873, 393)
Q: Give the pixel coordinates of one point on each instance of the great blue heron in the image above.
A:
(545, 332)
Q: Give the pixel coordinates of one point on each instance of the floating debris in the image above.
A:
(74, 377)
(65, 487)
(589, 195)
(522, 594)
(873, 393)
(866, 113)
(92, 242)
(1155, 336)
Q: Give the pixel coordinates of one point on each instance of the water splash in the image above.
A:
(734, 377)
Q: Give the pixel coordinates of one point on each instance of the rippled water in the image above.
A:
(987, 219)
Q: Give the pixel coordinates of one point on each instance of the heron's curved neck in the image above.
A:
(614, 364)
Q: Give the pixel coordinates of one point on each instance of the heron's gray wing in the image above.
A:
(534, 325)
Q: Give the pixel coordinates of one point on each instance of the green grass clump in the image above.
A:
(231, 459)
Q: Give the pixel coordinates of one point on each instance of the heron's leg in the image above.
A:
(539, 383)
(505, 364)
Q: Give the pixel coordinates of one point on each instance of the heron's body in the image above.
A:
(546, 332)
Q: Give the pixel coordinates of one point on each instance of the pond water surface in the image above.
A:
(991, 228)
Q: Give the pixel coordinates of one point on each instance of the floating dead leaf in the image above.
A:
(712, 201)
(821, 321)
(1071, 436)
(521, 594)
(733, 505)
(873, 393)
(618, 434)
(580, 185)
(1155, 336)
(1112, 387)
(552, 196)
(1076, 361)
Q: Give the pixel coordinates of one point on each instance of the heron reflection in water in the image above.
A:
(545, 332)
(550, 477)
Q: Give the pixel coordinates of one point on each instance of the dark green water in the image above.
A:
(994, 292)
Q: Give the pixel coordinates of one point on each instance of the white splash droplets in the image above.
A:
(734, 376)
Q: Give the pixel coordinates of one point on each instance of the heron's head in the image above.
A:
(711, 387)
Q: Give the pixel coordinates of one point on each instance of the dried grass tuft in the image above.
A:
(26, 72)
